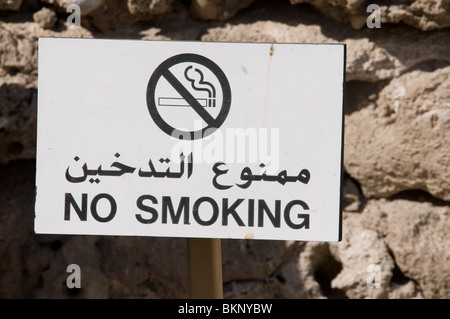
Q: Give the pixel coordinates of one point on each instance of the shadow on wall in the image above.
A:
(17, 122)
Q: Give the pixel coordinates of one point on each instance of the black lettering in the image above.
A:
(275, 219)
(183, 205)
(231, 211)
(70, 201)
(287, 215)
(140, 204)
(195, 211)
(251, 212)
(112, 212)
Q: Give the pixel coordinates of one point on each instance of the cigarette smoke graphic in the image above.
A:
(199, 84)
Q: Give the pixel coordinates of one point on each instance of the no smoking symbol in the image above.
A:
(188, 96)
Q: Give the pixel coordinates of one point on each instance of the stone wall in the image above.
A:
(396, 155)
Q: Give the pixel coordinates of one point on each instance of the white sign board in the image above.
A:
(190, 139)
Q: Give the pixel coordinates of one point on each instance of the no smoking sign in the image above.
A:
(188, 96)
(111, 152)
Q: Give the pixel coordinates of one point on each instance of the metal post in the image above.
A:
(205, 268)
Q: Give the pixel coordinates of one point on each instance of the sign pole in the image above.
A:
(205, 268)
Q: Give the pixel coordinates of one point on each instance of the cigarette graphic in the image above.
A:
(173, 101)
